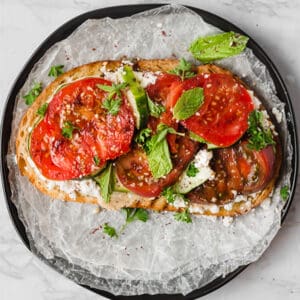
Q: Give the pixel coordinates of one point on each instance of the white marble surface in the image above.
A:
(273, 24)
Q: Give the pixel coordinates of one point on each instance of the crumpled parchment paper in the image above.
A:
(162, 255)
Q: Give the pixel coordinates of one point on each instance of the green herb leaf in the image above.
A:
(96, 160)
(259, 137)
(55, 71)
(42, 109)
(114, 89)
(142, 137)
(284, 193)
(183, 69)
(209, 48)
(188, 103)
(155, 109)
(33, 93)
(112, 106)
(106, 182)
(192, 170)
(158, 153)
(183, 216)
(111, 231)
(169, 194)
(135, 214)
(67, 130)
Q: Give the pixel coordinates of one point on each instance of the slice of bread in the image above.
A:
(121, 199)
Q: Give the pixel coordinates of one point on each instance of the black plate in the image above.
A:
(118, 12)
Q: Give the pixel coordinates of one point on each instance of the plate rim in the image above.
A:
(118, 12)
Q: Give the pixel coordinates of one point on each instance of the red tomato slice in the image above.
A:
(223, 117)
(160, 89)
(97, 136)
(134, 173)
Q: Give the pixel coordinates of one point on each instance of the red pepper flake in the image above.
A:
(94, 49)
(163, 33)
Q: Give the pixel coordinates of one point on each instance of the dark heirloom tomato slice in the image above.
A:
(95, 135)
(134, 173)
(223, 117)
(237, 168)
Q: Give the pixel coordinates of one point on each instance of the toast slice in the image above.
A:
(119, 199)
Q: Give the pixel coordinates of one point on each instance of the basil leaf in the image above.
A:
(33, 93)
(159, 160)
(106, 182)
(111, 231)
(55, 71)
(188, 103)
(155, 109)
(158, 153)
(209, 48)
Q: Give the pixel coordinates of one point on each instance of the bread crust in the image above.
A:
(118, 199)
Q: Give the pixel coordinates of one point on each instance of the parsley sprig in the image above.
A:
(155, 109)
(284, 192)
(184, 69)
(183, 216)
(55, 71)
(109, 230)
(112, 106)
(42, 110)
(192, 170)
(33, 93)
(67, 130)
(259, 137)
(113, 101)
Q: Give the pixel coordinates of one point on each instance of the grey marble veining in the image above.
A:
(273, 24)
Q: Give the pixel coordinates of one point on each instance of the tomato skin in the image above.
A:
(223, 117)
(238, 169)
(134, 173)
(160, 90)
(96, 133)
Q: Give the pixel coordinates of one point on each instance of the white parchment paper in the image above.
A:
(162, 255)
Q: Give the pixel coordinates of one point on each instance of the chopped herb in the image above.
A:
(106, 182)
(259, 137)
(112, 105)
(55, 71)
(111, 231)
(33, 93)
(96, 160)
(142, 137)
(183, 69)
(155, 109)
(188, 103)
(169, 194)
(114, 89)
(42, 109)
(67, 130)
(134, 214)
(284, 193)
(192, 170)
(183, 216)
(209, 48)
